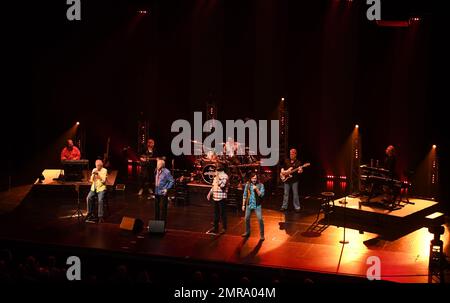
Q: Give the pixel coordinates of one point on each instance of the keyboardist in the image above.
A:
(390, 161)
(70, 152)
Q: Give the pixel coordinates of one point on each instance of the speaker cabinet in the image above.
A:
(131, 224)
(156, 226)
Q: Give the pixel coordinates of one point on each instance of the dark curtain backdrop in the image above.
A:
(334, 68)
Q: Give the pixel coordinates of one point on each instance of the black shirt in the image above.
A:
(150, 154)
(294, 164)
(389, 164)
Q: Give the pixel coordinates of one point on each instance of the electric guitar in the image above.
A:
(286, 174)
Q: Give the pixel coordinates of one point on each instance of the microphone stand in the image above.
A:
(344, 241)
(78, 213)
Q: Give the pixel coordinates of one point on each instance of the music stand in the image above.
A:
(78, 213)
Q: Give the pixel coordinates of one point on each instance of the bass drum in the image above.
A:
(208, 173)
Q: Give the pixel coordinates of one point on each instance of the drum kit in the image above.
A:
(238, 167)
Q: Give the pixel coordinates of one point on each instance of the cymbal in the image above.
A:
(246, 165)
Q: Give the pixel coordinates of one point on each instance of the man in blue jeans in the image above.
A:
(251, 200)
(292, 182)
(98, 188)
(163, 182)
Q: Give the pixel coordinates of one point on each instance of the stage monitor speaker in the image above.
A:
(132, 224)
(156, 226)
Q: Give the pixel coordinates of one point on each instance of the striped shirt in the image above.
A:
(219, 190)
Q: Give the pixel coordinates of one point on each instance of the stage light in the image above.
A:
(392, 23)
(356, 126)
(434, 146)
(142, 12)
(78, 123)
(282, 99)
(413, 20)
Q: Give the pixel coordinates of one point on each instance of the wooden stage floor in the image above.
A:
(288, 243)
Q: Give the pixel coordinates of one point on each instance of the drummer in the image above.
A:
(230, 149)
(211, 156)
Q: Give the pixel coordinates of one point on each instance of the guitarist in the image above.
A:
(292, 163)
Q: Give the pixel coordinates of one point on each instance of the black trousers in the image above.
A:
(147, 177)
(220, 211)
(158, 201)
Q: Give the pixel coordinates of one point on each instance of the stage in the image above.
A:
(289, 244)
(389, 223)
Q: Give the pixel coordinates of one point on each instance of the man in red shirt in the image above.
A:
(70, 152)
